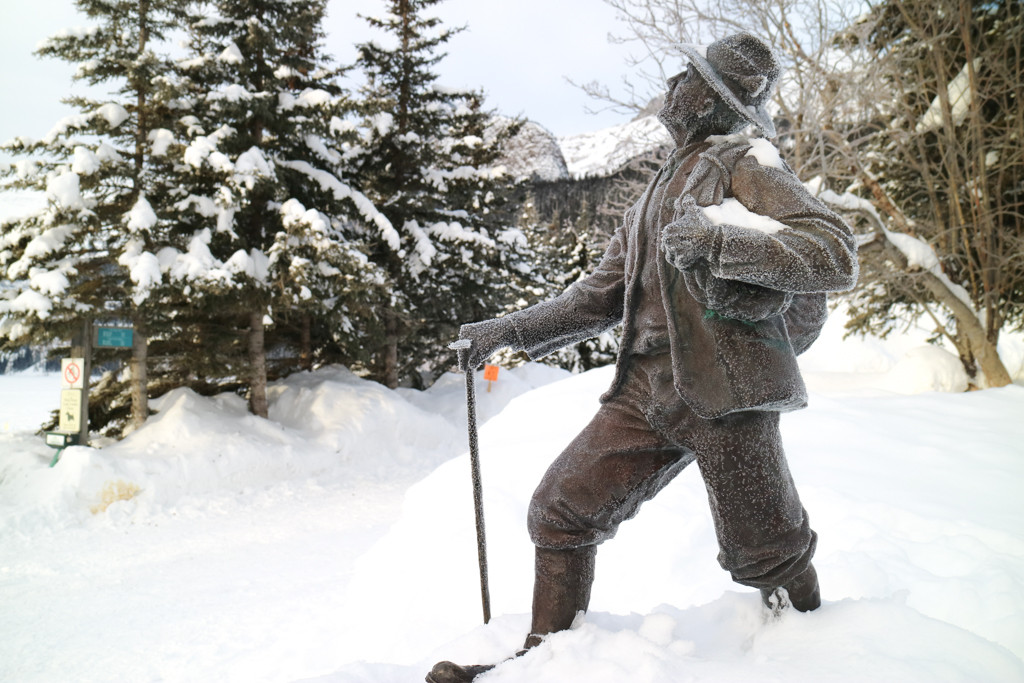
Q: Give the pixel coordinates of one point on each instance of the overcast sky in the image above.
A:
(518, 51)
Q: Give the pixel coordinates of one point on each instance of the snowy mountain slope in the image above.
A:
(602, 152)
(534, 154)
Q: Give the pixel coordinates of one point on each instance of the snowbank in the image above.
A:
(904, 363)
(329, 426)
(335, 541)
(921, 571)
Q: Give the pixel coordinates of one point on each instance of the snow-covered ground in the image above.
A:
(334, 542)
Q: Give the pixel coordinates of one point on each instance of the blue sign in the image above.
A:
(117, 337)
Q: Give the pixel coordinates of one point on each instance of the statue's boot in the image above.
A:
(447, 672)
(561, 589)
(802, 592)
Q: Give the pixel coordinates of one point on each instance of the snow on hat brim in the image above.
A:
(755, 115)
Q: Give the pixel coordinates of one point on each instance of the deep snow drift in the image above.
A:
(334, 542)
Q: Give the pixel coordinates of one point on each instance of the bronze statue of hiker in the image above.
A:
(718, 275)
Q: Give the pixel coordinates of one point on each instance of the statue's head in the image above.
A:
(723, 90)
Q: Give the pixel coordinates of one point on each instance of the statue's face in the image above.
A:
(689, 100)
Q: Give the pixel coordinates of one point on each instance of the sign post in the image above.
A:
(72, 386)
(73, 425)
(71, 410)
(76, 373)
(73, 414)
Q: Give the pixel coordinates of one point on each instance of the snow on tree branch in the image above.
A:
(28, 301)
(329, 182)
(113, 113)
(919, 254)
(141, 217)
(143, 269)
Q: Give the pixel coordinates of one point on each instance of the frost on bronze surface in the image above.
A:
(719, 275)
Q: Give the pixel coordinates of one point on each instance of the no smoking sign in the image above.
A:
(71, 373)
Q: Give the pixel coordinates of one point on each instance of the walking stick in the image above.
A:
(463, 347)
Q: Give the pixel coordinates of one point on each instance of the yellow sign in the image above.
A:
(70, 410)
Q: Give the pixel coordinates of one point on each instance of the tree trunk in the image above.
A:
(390, 351)
(141, 125)
(257, 365)
(306, 344)
(140, 344)
(993, 372)
(139, 375)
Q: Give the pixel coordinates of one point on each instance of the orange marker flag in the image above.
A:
(490, 374)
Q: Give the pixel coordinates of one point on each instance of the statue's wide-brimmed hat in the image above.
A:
(744, 70)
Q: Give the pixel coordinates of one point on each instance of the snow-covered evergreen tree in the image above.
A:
(428, 158)
(89, 254)
(264, 212)
(568, 250)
